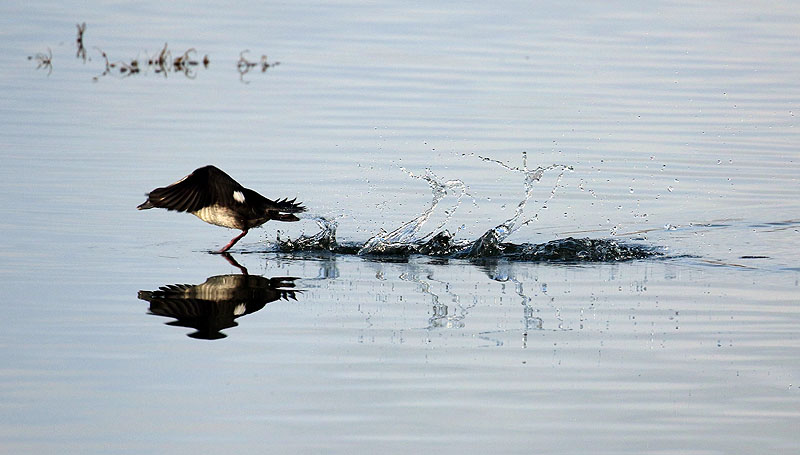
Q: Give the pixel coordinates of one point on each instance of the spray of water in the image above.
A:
(406, 239)
(325, 239)
(490, 243)
(407, 234)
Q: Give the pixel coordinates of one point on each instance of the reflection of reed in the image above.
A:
(244, 66)
(162, 62)
(215, 304)
(43, 60)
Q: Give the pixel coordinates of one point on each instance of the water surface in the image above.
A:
(669, 127)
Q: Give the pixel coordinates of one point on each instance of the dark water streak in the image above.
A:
(488, 246)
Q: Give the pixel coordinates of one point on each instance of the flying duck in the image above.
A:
(213, 196)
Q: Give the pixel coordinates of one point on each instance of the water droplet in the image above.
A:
(630, 190)
(669, 188)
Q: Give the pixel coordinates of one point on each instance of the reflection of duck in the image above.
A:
(212, 306)
(216, 198)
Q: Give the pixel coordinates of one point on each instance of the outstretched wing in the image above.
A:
(204, 187)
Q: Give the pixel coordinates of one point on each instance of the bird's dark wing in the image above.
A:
(222, 188)
(202, 188)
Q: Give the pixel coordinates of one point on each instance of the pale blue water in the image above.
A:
(678, 121)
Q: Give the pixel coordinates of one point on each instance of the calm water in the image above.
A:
(678, 122)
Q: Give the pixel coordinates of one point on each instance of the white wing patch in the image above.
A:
(239, 309)
(238, 196)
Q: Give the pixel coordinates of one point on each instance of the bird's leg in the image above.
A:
(233, 242)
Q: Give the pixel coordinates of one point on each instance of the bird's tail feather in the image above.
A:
(289, 206)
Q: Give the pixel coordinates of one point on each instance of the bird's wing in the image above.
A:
(222, 188)
(202, 188)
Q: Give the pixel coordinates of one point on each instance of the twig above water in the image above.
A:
(163, 62)
(81, 52)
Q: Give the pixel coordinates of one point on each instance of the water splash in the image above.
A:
(325, 239)
(439, 242)
(490, 243)
(400, 239)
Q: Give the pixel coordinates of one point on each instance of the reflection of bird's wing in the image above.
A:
(183, 308)
(231, 295)
(204, 187)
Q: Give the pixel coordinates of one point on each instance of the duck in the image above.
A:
(216, 198)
